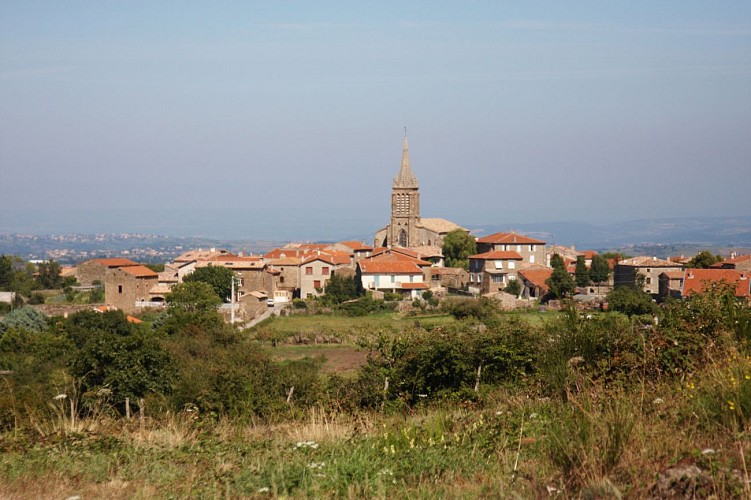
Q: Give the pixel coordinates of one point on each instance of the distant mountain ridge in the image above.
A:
(710, 232)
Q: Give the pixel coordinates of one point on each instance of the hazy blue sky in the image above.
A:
(516, 111)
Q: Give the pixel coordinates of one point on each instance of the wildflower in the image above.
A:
(747, 376)
(532, 416)
(708, 451)
(658, 401)
(265, 489)
(60, 396)
(393, 451)
(731, 405)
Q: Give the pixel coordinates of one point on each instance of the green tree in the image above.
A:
(581, 273)
(458, 245)
(513, 287)
(561, 283)
(192, 305)
(599, 270)
(703, 260)
(340, 289)
(631, 301)
(220, 279)
(6, 272)
(48, 275)
(26, 318)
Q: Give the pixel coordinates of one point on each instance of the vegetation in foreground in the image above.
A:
(611, 406)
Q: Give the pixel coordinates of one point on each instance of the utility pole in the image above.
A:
(232, 300)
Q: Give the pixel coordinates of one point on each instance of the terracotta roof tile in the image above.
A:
(645, 261)
(116, 262)
(696, 280)
(414, 286)
(140, 271)
(537, 277)
(510, 238)
(357, 246)
(386, 267)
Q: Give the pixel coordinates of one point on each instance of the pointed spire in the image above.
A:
(405, 179)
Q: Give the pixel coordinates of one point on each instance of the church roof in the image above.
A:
(439, 225)
(405, 178)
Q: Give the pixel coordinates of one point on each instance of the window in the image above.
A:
(518, 248)
(119, 289)
(531, 259)
(281, 279)
(499, 264)
(309, 271)
(511, 264)
(649, 281)
(498, 278)
(435, 277)
(325, 271)
(317, 284)
(532, 248)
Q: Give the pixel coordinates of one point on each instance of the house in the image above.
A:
(128, 288)
(250, 271)
(627, 272)
(491, 271)
(95, 270)
(317, 269)
(446, 277)
(681, 284)
(286, 272)
(397, 276)
(531, 250)
(357, 249)
(532, 280)
(740, 263)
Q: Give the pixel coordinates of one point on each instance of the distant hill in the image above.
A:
(702, 232)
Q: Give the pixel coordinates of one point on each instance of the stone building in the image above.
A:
(128, 288)
(531, 250)
(627, 272)
(96, 269)
(407, 228)
(491, 272)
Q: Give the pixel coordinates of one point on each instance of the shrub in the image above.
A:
(630, 301)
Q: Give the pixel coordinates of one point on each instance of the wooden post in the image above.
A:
(141, 410)
(127, 408)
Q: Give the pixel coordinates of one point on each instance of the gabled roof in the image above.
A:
(116, 262)
(399, 257)
(673, 275)
(201, 254)
(509, 239)
(357, 246)
(696, 280)
(140, 271)
(283, 253)
(645, 261)
(497, 255)
(286, 261)
(537, 277)
(385, 267)
(737, 260)
(332, 257)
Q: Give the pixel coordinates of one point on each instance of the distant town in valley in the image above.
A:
(409, 256)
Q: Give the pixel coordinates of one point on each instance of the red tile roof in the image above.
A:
(389, 267)
(414, 286)
(510, 238)
(738, 260)
(497, 255)
(116, 262)
(696, 280)
(399, 257)
(357, 246)
(332, 257)
(537, 277)
(140, 271)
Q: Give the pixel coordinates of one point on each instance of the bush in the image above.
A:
(36, 298)
(481, 309)
(630, 301)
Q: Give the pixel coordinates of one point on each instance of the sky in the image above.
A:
(515, 111)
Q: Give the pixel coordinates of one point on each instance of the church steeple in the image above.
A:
(405, 179)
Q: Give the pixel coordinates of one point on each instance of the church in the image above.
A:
(407, 229)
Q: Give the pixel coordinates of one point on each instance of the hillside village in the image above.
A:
(405, 260)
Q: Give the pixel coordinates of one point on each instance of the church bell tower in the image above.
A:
(405, 205)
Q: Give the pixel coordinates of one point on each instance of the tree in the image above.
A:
(193, 297)
(26, 318)
(220, 279)
(581, 273)
(599, 270)
(49, 275)
(458, 245)
(630, 301)
(561, 283)
(340, 289)
(704, 260)
(6, 272)
(513, 287)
